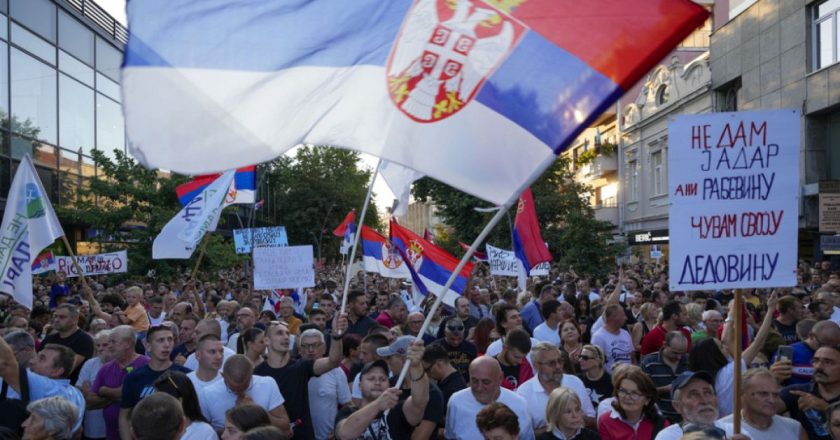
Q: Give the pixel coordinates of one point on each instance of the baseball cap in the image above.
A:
(399, 346)
(685, 377)
(371, 365)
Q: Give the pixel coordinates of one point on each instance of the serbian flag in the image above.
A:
(481, 95)
(528, 244)
(380, 256)
(43, 263)
(432, 264)
(477, 255)
(346, 230)
(244, 189)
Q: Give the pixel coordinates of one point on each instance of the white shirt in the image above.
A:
(597, 325)
(725, 387)
(604, 406)
(543, 333)
(94, 420)
(154, 322)
(200, 385)
(192, 362)
(780, 428)
(835, 315)
(462, 409)
(675, 432)
(537, 398)
(326, 393)
(231, 343)
(199, 431)
(263, 391)
(618, 348)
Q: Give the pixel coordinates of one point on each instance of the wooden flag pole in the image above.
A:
(75, 263)
(200, 255)
(737, 349)
(359, 222)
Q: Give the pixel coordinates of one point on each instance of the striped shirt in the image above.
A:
(663, 375)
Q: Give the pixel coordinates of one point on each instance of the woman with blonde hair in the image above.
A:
(564, 416)
(695, 315)
(595, 378)
(648, 314)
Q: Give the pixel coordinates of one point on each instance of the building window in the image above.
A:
(662, 95)
(658, 175)
(633, 181)
(825, 33)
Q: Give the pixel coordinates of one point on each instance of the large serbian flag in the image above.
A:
(479, 94)
(245, 186)
(380, 256)
(432, 264)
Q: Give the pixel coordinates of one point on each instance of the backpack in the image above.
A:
(13, 411)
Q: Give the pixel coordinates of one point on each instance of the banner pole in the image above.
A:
(200, 255)
(75, 263)
(737, 349)
(359, 223)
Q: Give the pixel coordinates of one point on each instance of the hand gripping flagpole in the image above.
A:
(357, 234)
(469, 253)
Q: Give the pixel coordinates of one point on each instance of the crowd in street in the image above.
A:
(574, 357)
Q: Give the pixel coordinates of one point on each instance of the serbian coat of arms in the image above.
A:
(445, 51)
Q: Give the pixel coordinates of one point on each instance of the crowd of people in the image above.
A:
(573, 357)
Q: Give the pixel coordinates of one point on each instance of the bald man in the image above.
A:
(485, 388)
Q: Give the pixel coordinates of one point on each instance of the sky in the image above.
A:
(385, 196)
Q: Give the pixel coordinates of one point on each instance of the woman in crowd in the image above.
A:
(595, 378)
(51, 418)
(350, 351)
(582, 313)
(832, 417)
(179, 386)
(482, 334)
(243, 418)
(564, 417)
(570, 342)
(648, 314)
(633, 413)
(695, 316)
(711, 356)
(94, 424)
(252, 345)
(496, 421)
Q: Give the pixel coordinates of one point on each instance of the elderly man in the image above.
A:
(807, 402)
(535, 391)
(22, 344)
(485, 388)
(246, 317)
(414, 323)
(712, 320)
(239, 385)
(328, 391)
(663, 367)
(106, 391)
(759, 393)
(693, 396)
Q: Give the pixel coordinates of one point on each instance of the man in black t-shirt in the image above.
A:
(437, 365)
(461, 352)
(65, 322)
(790, 312)
(292, 376)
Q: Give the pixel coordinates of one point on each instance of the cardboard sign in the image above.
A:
(287, 267)
(263, 237)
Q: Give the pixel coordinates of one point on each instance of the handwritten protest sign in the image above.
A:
(286, 267)
(504, 263)
(99, 264)
(734, 192)
(263, 237)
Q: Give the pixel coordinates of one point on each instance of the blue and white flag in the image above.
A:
(29, 225)
(179, 238)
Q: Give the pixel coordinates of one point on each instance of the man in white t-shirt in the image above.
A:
(239, 385)
(209, 353)
(759, 393)
(207, 326)
(613, 339)
(549, 329)
(694, 397)
(485, 388)
(326, 392)
(535, 391)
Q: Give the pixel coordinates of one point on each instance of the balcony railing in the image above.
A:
(99, 16)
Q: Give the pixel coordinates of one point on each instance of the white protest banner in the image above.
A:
(287, 267)
(541, 270)
(734, 193)
(99, 264)
(263, 237)
(504, 263)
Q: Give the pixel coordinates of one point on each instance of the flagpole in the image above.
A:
(75, 263)
(737, 348)
(200, 255)
(357, 236)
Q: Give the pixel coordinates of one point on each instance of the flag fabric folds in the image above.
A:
(346, 229)
(245, 185)
(477, 255)
(477, 94)
(180, 236)
(29, 225)
(528, 244)
(380, 256)
(399, 179)
(43, 263)
(432, 264)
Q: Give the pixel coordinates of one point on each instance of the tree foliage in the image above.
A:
(565, 215)
(314, 190)
(128, 205)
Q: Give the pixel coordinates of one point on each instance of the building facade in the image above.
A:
(59, 93)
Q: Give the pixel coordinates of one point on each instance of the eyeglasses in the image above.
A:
(632, 395)
(310, 347)
(456, 329)
(585, 358)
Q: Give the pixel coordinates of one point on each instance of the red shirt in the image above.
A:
(653, 341)
(384, 319)
(612, 427)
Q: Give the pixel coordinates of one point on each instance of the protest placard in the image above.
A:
(285, 267)
(263, 237)
(734, 193)
(504, 263)
(99, 264)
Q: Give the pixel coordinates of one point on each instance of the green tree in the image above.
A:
(129, 205)
(565, 215)
(314, 190)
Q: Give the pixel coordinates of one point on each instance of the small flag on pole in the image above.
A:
(528, 244)
(346, 230)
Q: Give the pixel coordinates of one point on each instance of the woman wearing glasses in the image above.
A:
(179, 386)
(633, 415)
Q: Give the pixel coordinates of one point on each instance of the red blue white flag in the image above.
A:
(243, 190)
(528, 244)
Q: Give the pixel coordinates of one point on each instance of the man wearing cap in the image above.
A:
(370, 420)
(460, 351)
(693, 397)
(395, 355)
